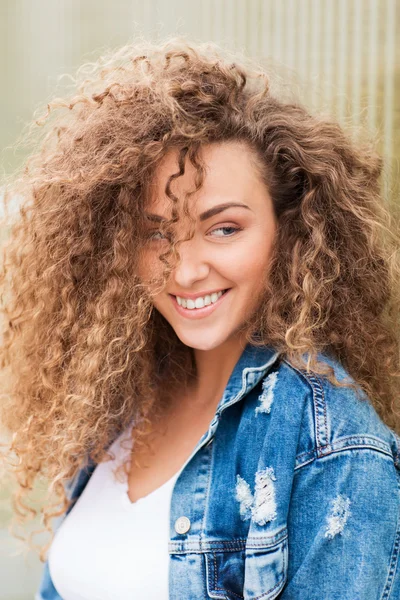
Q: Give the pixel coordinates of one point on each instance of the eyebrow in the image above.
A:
(215, 210)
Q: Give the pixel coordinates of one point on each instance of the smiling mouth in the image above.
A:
(199, 312)
(186, 299)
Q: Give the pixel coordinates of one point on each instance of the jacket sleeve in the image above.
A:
(47, 590)
(344, 528)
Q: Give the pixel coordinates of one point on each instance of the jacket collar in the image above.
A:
(251, 367)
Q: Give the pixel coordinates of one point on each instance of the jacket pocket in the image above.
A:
(265, 571)
(257, 572)
(225, 574)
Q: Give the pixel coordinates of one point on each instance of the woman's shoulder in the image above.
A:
(333, 418)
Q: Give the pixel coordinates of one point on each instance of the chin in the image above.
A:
(203, 341)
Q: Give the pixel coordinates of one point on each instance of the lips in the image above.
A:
(203, 296)
(199, 313)
(195, 296)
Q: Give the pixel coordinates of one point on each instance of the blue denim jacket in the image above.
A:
(292, 493)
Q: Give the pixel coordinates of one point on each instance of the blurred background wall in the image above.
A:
(342, 54)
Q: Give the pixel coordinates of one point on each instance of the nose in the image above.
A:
(194, 264)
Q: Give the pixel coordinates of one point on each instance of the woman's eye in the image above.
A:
(229, 227)
(151, 236)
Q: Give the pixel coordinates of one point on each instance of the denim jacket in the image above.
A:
(292, 493)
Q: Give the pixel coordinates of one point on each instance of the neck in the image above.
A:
(214, 368)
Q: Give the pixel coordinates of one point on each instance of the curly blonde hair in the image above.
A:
(84, 353)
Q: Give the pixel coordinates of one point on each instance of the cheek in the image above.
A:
(248, 262)
(148, 267)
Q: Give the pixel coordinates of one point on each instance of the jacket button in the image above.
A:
(182, 525)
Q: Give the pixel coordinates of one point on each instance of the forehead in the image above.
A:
(230, 175)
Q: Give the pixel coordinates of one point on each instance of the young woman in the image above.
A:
(201, 340)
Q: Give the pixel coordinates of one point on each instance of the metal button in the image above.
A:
(182, 525)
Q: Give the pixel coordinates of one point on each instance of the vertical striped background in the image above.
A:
(344, 54)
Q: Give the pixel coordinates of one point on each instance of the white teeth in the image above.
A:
(199, 302)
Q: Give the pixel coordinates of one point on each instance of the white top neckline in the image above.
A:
(121, 455)
(109, 547)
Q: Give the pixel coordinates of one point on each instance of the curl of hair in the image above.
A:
(84, 353)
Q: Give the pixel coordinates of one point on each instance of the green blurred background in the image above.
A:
(341, 55)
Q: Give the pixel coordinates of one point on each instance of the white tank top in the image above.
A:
(109, 548)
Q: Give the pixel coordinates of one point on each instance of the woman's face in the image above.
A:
(230, 250)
